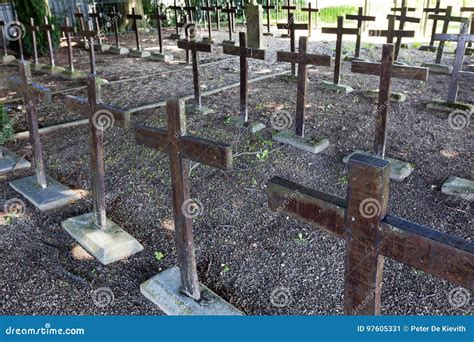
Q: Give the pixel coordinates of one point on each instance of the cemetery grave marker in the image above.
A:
(88, 36)
(117, 49)
(177, 291)
(361, 18)
(388, 70)
(268, 7)
(244, 51)
(175, 8)
(71, 73)
(34, 29)
(184, 25)
(435, 10)
(403, 7)
(233, 14)
(208, 9)
(5, 58)
(138, 52)
(14, 31)
(469, 48)
(310, 11)
(391, 33)
(80, 16)
(402, 18)
(254, 16)
(100, 46)
(218, 9)
(195, 47)
(191, 11)
(340, 31)
(370, 234)
(289, 8)
(101, 237)
(292, 27)
(302, 58)
(41, 190)
(160, 56)
(230, 12)
(51, 68)
(437, 67)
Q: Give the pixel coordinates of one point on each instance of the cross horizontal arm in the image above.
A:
(467, 74)
(67, 29)
(453, 37)
(192, 45)
(307, 9)
(397, 9)
(87, 34)
(362, 17)
(295, 26)
(134, 16)
(439, 10)
(446, 18)
(291, 8)
(404, 18)
(467, 9)
(200, 150)
(334, 30)
(35, 91)
(309, 59)
(251, 53)
(396, 33)
(397, 71)
(434, 252)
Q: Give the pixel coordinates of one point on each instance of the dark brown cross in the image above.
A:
(292, 27)
(96, 16)
(230, 12)
(371, 234)
(191, 11)
(234, 13)
(46, 27)
(244, 52)
(436, 10)
(462, 38)
(159, 18)
(181, 149)
(187, 33)
(470, 9)
(32, 94)
(208, 9)
(391, 33)
(135, 17)
(288, 7)
(195, 47)
(403, 7)
(302, 58)
(79, 15)
(175, 8)
(268, 7)
(386, 70)
(446, 19)
(89, 35)
(34, 29)
(115, 15)
(218, 9)
(361, 18)
(402, 18)
(68, 29)
(310, 11)
(340, 31)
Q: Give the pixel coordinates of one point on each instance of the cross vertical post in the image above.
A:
(288, 7)
(402, 18)
(115, 15)
(175, 8)
(218, 9)
(134, 18)
(446, 18)
(229, 11)
(268, 7)
(310, 11)
(208, 9)
(436, 10)
(292, 27)
(68, 29)
(48, 28)
(96, 16)
(361, 18)
(34, 28)
(470, 9)
(159, 18)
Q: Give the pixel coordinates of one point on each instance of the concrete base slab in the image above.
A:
(175, 36)
(139, 54)
(394, 96)
(400, 63)
(164, 290)
(289, 78)
(7, 59)
(121, 51)
(285, 35)
(268, 34)
(470, 68)
(399, 170)
(438, 68)
(355, 59)
(54, 196)
(228, 42)
(160, 57)
(427, 48)
(38, 67)
(53, 70)
(238, 122)
(459, 187)
(206, 40)
(107, 245)
(198, 110)
(339, 88)
(12, 162)
(311, 145)
(449, 107)
(73, 75)
(101, 47)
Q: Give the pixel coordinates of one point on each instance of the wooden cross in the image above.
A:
(340, 31)
(96, 16)
(470, 9)
(436, 10)
(32, 94)
(302, 58)
(135, 17)
(288, 7)
(218, 9)
(403, 7)
(68, 29)
(386, 70)
(208, 9)
(402, 18)
(191, 10)
(230, 12)
(159, 18)
(195, 47)
(371, 234)
(446, 19)
(310, 11)
(292, 27)
(391, 33)
(175, 9)
(79, 15)
(114, 14)
(244, 52)
(462, 38)
(48, 28)
(234, 13)
(181, 149)
(268, 7)
(360, 17)
(34, 28)
(89, 36)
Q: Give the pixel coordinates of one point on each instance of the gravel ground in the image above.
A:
(245, 252)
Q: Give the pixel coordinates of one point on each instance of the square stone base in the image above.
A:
(427, 48)
(268, 34)
(139, 54)
(311, 145)
(394, 96)
(101, 47)
(121, 51)
(38, 67)
(108, 245)
(289, 78)
(175, 36)
(54, 196)
(208, 40)
(164, 290)
(459, 187)
(7, 59)
(241, 124)
(228, 42)
(192, 108)
(12, 162)
(438, 68)
(53, 70)
(339, 88)
(161, 57)
(399, 170)
(285, 35)
(449, 107)
(72, 75)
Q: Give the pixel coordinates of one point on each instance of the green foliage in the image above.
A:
(330, 14)
(148, 7)
(159, 256)
(36, 9)
(6, 127)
